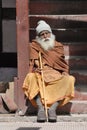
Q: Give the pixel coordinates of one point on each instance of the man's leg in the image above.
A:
(41, 117)
(52, 117)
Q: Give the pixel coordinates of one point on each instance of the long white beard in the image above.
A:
(46, 43)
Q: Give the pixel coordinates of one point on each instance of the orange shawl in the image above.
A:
(53, 58)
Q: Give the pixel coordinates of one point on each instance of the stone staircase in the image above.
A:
(76, 106)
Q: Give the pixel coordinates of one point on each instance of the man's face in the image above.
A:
(45, 35)
(46, 40)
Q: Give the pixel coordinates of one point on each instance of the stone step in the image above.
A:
(74, 107)
(65, 118)
(78, 105)
(79, 95)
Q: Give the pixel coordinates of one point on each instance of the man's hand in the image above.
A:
(37, 63)
(38, 70)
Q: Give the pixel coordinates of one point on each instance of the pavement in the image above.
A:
(64, 122)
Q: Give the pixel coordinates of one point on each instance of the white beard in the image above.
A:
(46, 43)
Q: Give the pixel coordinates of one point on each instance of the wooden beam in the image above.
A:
(58, 7)
(66, 35)
(60, 21)
(22, 23)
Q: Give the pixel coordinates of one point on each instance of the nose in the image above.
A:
(45, 35)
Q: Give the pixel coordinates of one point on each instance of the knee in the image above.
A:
(30, 75)
(72, 78)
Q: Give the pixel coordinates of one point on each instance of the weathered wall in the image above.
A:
(8, 49)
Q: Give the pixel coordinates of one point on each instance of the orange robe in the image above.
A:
(58, 87)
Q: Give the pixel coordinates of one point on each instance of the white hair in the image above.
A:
(46, 43)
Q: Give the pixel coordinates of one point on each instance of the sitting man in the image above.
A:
(48, 83)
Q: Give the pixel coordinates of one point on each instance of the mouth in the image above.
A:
(46, 40)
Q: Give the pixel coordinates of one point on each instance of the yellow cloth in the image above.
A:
(58, 90)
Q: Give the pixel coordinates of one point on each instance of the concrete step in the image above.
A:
(60, 118)
(79, 95)
(74, 107)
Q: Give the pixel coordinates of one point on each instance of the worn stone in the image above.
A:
(3, 87)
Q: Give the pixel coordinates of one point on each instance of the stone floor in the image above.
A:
(64, 122)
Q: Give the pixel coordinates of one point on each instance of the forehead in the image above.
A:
(44, 31)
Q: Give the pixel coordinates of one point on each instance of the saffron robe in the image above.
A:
(58, 84)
